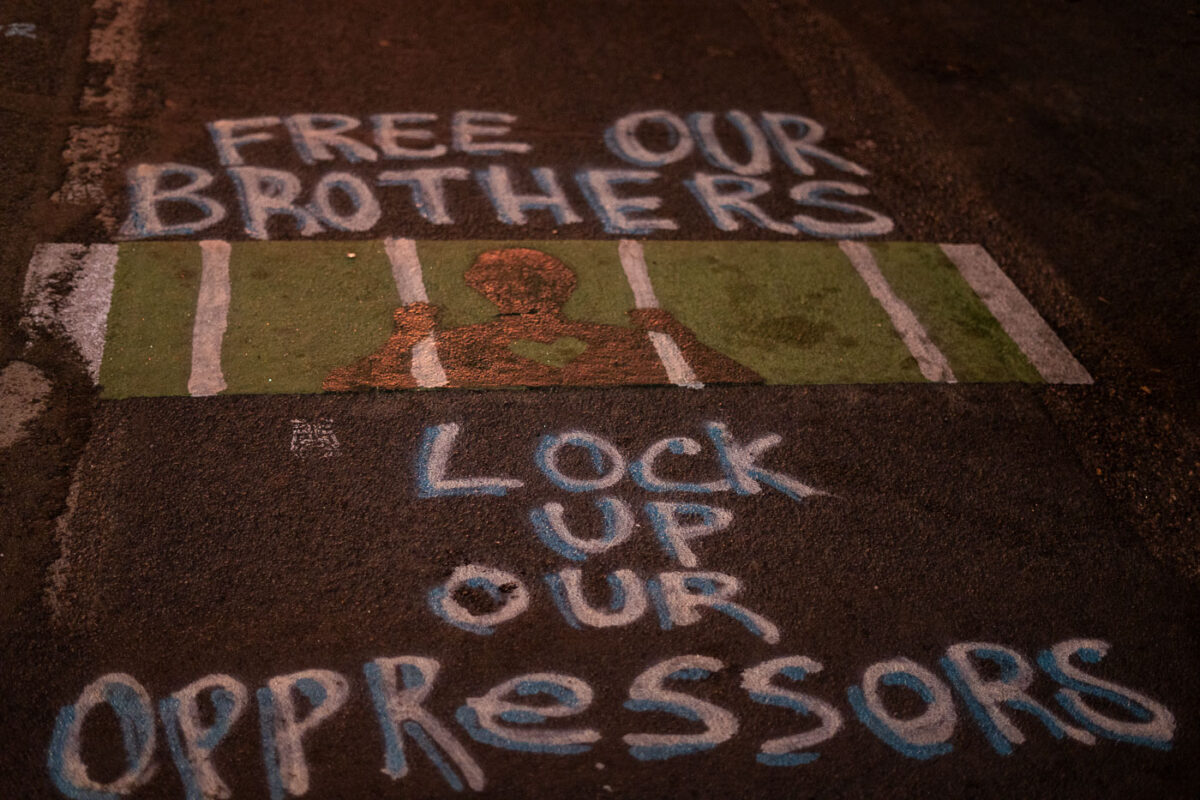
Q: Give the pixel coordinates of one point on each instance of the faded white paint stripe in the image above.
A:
(426, 366)
(633, 261)
(92, 151)
(678, 370)
(212, 313)
(406, 270)
(930, 360)
(68, 292)
(1016, 315)
(115, 41)
(410, 285)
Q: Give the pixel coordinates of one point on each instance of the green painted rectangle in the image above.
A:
(148, 346)
(793, 312)
(299, 309)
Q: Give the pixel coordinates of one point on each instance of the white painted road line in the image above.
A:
(212, 313)
(673, 361)
(930, 360)
(426, 367)
(68, 291)
(406, 270)
(1019, 319)
(633, 262)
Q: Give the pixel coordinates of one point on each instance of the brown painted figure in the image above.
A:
(532, 343)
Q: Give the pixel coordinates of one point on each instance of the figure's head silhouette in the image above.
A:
(521, 281)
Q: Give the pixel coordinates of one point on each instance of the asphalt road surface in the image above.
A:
(688, 399)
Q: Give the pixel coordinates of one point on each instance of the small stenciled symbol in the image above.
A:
(314, 438)
(24, 30)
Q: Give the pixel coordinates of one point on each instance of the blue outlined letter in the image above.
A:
(987, 698)
(146, 193)
(401, 712)
(922, 737)
(433, 461)
(283, 730)
(628, 603)
(1152, 725)
(551, 527)
(600, 450)
(500, 722)
(192, 742)
(648, 692)
(679, 596)
(744, 475)
(788, 751)
(132, 705)
(505, 590)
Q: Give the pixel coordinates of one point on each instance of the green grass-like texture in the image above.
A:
(795, 312)
(148, 346)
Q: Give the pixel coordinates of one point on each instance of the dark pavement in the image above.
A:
(168, 539)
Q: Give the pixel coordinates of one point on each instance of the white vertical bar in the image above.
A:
(426, 366)
(930, 360)
(410, 285)
(406, 270)
(212, 316)
(673, 361)
(1019, 319)
(633, 261)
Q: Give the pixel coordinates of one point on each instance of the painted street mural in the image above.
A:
(220, 316)
(595, 399)
(450, 451)
(651, 544)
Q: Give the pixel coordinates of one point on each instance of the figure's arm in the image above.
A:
(709, 365)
